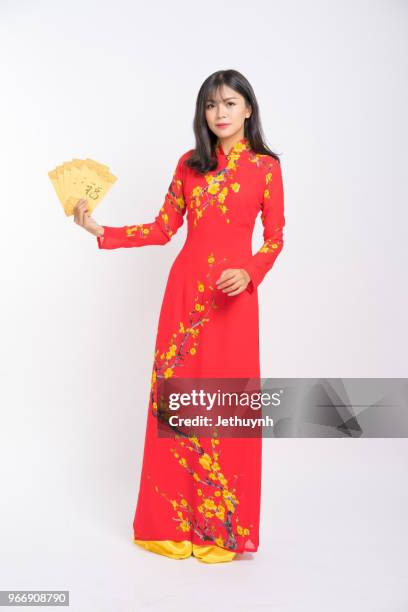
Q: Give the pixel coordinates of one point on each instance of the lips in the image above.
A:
(222, 124)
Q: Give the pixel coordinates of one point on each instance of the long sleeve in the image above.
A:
(272, 207)
(166, 223)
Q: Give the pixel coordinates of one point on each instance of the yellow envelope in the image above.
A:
(81, 179)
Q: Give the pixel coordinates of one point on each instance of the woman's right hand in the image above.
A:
(84, 219)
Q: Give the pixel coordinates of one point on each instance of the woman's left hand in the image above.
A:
(233, 281)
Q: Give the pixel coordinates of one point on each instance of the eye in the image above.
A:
(233, 103)
(209, 105)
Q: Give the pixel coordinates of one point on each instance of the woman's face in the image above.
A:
(225, 112)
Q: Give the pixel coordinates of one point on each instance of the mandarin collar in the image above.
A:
(234, 148)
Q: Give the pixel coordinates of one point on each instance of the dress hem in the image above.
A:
(239, 551)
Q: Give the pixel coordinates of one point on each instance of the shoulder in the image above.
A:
(182, 169)
(184, 156)
(270, 166)
(269, 160)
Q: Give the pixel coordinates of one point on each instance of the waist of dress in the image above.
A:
(214, 251)
(233, 248)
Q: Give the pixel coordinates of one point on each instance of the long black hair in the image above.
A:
(203, 158)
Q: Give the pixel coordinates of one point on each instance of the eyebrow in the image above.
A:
(224, 99)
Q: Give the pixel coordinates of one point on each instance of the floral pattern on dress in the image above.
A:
(174, 201)
(214, 517)
(219, 185)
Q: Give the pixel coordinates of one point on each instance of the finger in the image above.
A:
(239, 286)
(226, 277)
(232, 287)
(229, 282)
(79, 203)
(77, 209)
(240, 290)
(83, 206)
(224, 274)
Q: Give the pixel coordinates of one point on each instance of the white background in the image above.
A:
(117, 82)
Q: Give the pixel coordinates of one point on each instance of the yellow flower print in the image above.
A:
(235, 187)
(168, 373)
(239, 146)
(201, 287)
(205, 461)
(172, 351)
(185, 526)
(196, 191)
(268, 246)
(209, 504)
(213, 188)
(132, 229)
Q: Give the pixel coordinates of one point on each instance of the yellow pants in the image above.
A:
(184, 549)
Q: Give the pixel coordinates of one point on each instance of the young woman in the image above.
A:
(200, 496)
